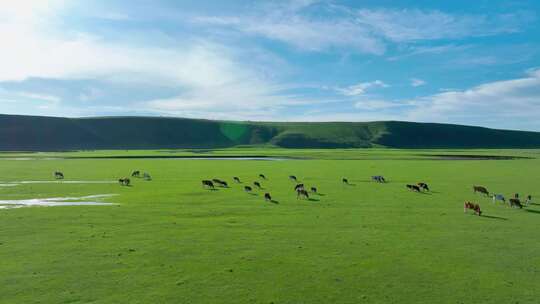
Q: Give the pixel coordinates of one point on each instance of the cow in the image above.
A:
(423, 186)
(516, 195)
(413, 188)
(345, 181)
(221, 183)
(301, 193)
(515, 202)
(208, 184)
(293, 178)
(299, 187)
(124, 181)
(146, 176)
(498, 197)
(314, 189)
(481, 190)
(236, 180)
(136, 173)
(472, 206)
(58, 175)
(262, 176)
(528, 200)
(257, 184)
(247, 188)
(378, 178)
(267, 197)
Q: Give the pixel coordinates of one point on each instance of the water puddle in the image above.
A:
(90, 200)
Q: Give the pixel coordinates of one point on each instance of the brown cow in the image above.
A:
(472, 206)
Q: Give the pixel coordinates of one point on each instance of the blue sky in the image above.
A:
(466, 62)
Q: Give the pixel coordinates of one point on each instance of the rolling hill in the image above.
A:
(37, 133)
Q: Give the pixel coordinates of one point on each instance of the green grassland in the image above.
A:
(170, 241)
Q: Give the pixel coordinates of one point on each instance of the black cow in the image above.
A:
(58, 175)
(257, 184)
(313, 189)
(413, 188)
(345, 181)
(236, 179)
(423, 186)
(515, 202)
(299, 187)
(124, 181)
(262, 176)
(267, 197)
(301, 193)
(247, 188)
(292, 177)
(208, 184)
(136, 173)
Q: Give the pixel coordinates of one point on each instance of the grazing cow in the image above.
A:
(516, 195)
(481, 190)
(413, 187)
(345, 181)
(262, 176)
(299, 187)
(147, 176)
(247, 188)
(301, 193)
(236, 180)
(472, 206)
(515, 202)
(528, 200)
(267, 197)
(499, 197)
(221, 183)
(58, 175)
(313, 189)
(378, 178)
(208, 184)
(136, 173)
(257, 184)
(292, 177)
(423, 186)
(124, 181)
(215, 180)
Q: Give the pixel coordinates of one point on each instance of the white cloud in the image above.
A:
(414, 24)
(373, 105)
(361, 88)
(365, 30)
(302, 32)
(416, 82)
(505, 103)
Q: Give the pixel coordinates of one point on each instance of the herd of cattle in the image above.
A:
(300, 189)
(302, 192)
(514, 202)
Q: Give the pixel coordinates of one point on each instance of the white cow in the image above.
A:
(499, 197)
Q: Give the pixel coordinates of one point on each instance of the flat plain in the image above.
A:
(168, 240)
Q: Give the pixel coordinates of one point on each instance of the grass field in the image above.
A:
(170, 241)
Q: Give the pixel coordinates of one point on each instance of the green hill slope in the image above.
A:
(51, 133)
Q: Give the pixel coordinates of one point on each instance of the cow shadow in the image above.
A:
(274, 202)
(212, 189)
(313, 200)
(532, 211)
(349, 184)
(495, 217)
